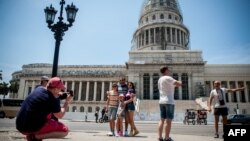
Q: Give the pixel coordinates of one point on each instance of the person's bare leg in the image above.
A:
(132, 123)
(118, 125)
(216, 122)
(224, 118)
(126, 120)
(51, 135)
(168, 128)
(121, 125)
(160, 128)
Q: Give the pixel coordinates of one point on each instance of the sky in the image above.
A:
(103, 30)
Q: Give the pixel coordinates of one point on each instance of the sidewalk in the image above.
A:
(96, 135)
(12, 135)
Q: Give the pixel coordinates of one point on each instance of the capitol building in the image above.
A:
(160, 39)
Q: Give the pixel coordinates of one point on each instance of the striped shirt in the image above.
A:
(113, 99)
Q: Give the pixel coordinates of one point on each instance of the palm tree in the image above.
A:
(4, 89)
(1, 78)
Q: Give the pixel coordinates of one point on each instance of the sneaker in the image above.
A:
(216, 135)
(110, 134)
(169, 139)
(126, 134)
(136, 132)
(120, 133)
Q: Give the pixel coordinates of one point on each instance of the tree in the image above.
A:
(14, 86)
(1, 77)
(4, 89)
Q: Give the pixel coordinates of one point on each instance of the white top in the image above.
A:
(166, 89)
(217, 95)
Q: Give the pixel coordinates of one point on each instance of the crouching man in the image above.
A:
(34, 118)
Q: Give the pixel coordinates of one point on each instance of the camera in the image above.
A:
(222, 102)
(64, 95)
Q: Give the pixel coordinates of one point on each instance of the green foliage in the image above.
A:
(13, 86)
(4, 89)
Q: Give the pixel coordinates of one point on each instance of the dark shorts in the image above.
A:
(130, 107)
(167, 111)
(221, 111)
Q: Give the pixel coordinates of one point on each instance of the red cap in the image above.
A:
(56, 82)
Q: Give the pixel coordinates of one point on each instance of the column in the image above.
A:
(66, 84)
(151, 85)
(138, 39)
(73, 85)
(211, 85)
(73, 88)
(189, 86)
(237, 93)
(140, 86)
(95, 89)
(102, 94)
(181, 37)
(229, 94)
(246, 92)
(171, 41)
(166, 35)
(184, 38)
(110, 85)
(87, 92)
(149, 36)
(180, 88)
(25, 89)
(175, 35)
(154, 35)
(33, 85)
(144, 32)
(80, 91)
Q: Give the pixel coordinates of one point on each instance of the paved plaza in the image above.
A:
(90, 131)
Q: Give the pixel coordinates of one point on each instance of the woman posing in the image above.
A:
(129, 110)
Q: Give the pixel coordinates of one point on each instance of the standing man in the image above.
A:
(34, 118)
(220, 107)
(166, 86)
(122, 90)
(44, 81)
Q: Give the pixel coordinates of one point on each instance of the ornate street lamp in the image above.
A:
(59, 28)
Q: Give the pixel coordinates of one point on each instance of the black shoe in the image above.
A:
(160, 139)
(169, 139)
(32, 138)
(216, 136)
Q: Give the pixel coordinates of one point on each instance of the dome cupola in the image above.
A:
(161, 27)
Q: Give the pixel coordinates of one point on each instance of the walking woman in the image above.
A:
(129, 110)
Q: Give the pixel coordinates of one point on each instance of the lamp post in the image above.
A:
(59, 28)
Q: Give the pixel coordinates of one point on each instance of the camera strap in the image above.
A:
(222, 94)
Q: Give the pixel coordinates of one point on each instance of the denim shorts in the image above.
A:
(167, 111)
(112, 113)
(130, 107)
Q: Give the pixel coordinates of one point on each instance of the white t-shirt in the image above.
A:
(217, 95)
(166, 89)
